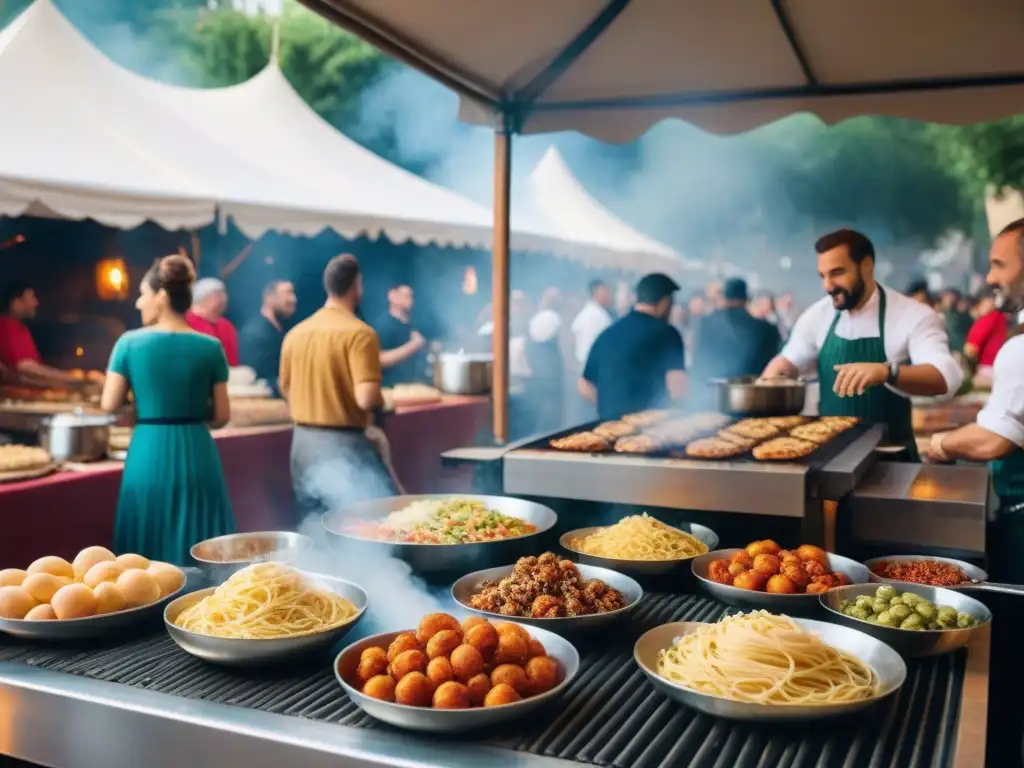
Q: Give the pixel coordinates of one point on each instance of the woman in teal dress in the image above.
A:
(172, 491)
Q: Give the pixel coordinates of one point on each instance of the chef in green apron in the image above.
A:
(997, 436)
(872, 346)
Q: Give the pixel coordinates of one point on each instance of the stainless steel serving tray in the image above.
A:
(886, 663)
(908, 643)
(641, 568)
(222, 556)
(754, 600)
(236, 652)
(469, 585)
(445, 558)
(979, 578)
(431, 720)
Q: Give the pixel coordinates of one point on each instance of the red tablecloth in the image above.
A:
(62, 513)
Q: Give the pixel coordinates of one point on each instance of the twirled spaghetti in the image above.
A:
(266, 601)
(764, 659)
(640, 537)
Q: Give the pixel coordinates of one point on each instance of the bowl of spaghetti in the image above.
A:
(759, 666)
(640, 545)
(265, 613)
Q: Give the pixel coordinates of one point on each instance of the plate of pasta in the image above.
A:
(640, 545)
(760, 666)
(265, 613)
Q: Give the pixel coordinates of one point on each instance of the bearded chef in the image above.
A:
(872, 347)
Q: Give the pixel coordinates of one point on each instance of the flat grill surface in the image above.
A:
(609, 716)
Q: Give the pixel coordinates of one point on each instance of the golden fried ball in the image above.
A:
(483, 637)
(372, 663)
(42, 586)
(467, 662)
(440, 670)
(12, 577)
(75, 601)
(443, 643)
(813, 568)
(765, 547)
(797, 575)
(512, 649)
(718, 572)
(109, 598)
(132, 561)
(15, 602)
(408, 662)
(103, 571)
(42, 612)
(754, 580)
(541, 674)
(478, 686)
(500, 695)
(404, 642)
(433, 623)
(811, 552)
(769, 565)
(508, 628)
(168, 577)
(512, 675)
(138, 587)
(88, 557)
(380, 687)
(786, 554)
(55, 566)
(741, 556)
(735, 569)
(451, 695)
(780, 584)
(816, 588)
(537, 648)
(472, 621)
(414, 690)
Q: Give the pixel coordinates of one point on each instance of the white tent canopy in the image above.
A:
(557, 203)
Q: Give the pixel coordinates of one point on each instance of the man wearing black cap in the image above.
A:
(731, 341)
(637, 363)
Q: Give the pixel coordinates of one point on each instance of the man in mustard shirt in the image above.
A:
(330, 375)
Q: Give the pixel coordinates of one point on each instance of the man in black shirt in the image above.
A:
(637, 363)
(400, 343)
(259, 343)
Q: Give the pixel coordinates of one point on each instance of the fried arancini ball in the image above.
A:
(512, 649)
(483, 637)
(467, 662)
(741, 556)
(443, 643)
(786, 554)
(478, 686)
(735, 569)
(407, 662)
(513, 675)
(765, 547)
(769, 565)
(797, 575)
(373, 662)
(451, 695)
(811, 552)
(536, 648)
(433, 623)
(472, 621)
(440, 670)
(541, 675)
(754, 580)
(514, 629)
(718, 571)
(813, 568)
(816, 588)
(404, 642)
(828, 579)
(380, 687)
(500, 695)
(780, 584)
(414, 690)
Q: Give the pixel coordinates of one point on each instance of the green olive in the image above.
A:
(844, 605)
(879, 605)
(946, 621)
(899, 612)
(859, 612)
(885, 592)
(873, 618)
(896, 601)
(909, 598)
(926, 611)
(913, 621)
(864, 601)
(933, 625)
(945, 610)
(966, 621)
(886, 620)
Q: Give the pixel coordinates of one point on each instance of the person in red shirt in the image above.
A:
(18, 352)
(209, 302)
(985, 339)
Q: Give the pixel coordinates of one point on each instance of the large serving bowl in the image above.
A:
(222, 556)
(886, 663)
(639, 568)
(973, 572)
(444, 558)
(911, 644)
(753, 600)
(452, 720)
(236, 652)
(469, 585)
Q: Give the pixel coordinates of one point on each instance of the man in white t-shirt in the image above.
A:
(595, 316)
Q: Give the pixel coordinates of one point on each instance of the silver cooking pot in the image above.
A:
(463, 374)
(76, 436)
(748, 397)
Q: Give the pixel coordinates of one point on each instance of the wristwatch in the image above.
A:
(894, 373)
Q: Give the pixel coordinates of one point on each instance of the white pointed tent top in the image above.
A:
(613, 68)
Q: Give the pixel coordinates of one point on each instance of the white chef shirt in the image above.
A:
(914, 333)
(545, 325)
(587, 326)
(1003, 414)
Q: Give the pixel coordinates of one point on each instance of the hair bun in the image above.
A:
(176, 271)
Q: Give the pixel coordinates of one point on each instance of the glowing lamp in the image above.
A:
(469, 281)
(112, 279)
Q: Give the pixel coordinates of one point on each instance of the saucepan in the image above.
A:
(750, 396)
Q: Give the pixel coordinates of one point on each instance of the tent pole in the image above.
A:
(500, 281)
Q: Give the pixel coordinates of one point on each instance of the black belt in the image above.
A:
(168, 421)
(329, 428)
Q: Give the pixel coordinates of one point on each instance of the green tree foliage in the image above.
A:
(984, 156)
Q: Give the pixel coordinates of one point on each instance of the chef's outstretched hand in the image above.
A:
(853, 378)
